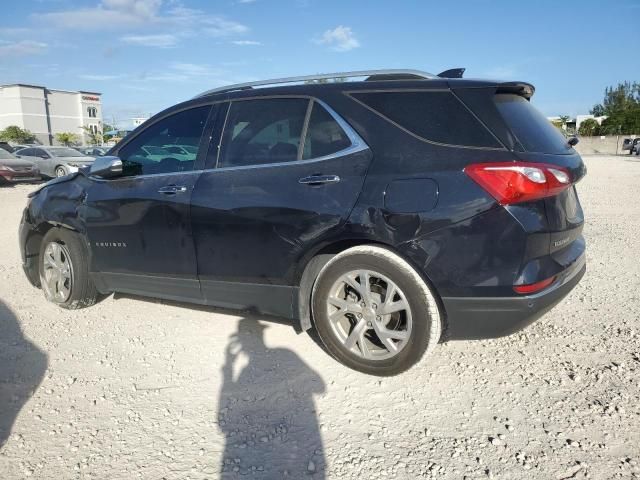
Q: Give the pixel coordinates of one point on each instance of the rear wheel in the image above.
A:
(373, 312)
(64, 270)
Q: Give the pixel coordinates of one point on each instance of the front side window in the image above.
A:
(169, 145)
(65, 152)
(263, 131)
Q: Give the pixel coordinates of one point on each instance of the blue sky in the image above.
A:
(145, 55)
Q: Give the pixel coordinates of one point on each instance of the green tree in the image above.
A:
(16, 134)
(95, 137)
(67, 138)
(621, 105)
(589, 128)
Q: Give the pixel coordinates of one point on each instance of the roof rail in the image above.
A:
(380, 74)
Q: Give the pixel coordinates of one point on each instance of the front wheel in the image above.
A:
(60, 172)
(373, 312)
(64, 270)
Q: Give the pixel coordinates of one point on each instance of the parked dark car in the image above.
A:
(632, 145)
(387, 213)
(5, 146)
(13, 169)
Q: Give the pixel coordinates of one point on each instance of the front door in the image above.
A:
(139, 225)
(289, 171)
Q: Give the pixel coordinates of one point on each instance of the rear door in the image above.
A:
(285, 175)
(139, 225)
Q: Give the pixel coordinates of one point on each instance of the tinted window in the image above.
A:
(152, 151)
(38, 152)
(65, 152)
(535, 132)
(324, 135)
(262, 131)
(26, 152)
(434, 116)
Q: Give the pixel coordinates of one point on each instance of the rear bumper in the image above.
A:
(491, 317)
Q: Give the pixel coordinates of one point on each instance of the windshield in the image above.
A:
(5, 155)
(535, 132)
(65, 152)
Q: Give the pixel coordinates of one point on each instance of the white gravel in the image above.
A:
(136, 388)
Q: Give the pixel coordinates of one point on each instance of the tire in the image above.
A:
(64, 251)
(60, 171)
(373, 312)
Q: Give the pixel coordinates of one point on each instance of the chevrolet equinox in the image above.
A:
(386, 210)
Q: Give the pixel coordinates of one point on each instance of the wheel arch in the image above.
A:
(32, 245)
(309, 270)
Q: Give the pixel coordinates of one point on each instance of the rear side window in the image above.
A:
(263, 131)
(432, 116)
(535, 132)
(324, 135)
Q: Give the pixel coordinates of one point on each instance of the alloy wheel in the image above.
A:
(57, 272)
(369, 314)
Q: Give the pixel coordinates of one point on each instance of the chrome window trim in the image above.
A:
(415, 135)
(357, 143)
(148, 175)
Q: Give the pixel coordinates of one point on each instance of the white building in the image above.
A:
(582, 118)
(45, 111)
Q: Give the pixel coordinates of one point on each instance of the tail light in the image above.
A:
(515, 182)
(533, 287)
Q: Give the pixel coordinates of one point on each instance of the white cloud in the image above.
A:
(159, 40)
(120, 14)
(219, 27)
(108, 14)
(23, 47)
(246, 42)
(340, 39)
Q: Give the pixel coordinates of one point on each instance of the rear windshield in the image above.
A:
(433, 116)
(535, 132)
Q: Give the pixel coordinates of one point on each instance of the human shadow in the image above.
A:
(22, 367)
(267, 412)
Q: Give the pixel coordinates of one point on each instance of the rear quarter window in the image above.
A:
(534, 131)
(432, 116)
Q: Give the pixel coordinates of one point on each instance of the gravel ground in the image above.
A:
(135, 388)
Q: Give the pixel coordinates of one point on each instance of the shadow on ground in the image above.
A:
(22, 367)
(266, 410)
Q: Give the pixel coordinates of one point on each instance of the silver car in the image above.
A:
(55, 161)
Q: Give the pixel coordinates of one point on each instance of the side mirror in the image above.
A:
(573, 141)
(106, 167)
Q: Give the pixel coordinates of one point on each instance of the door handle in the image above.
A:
(172, 189)
(319, 179)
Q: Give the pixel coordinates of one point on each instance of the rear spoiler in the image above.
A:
(523, 89)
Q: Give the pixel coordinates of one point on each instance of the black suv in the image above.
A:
(389, 210)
